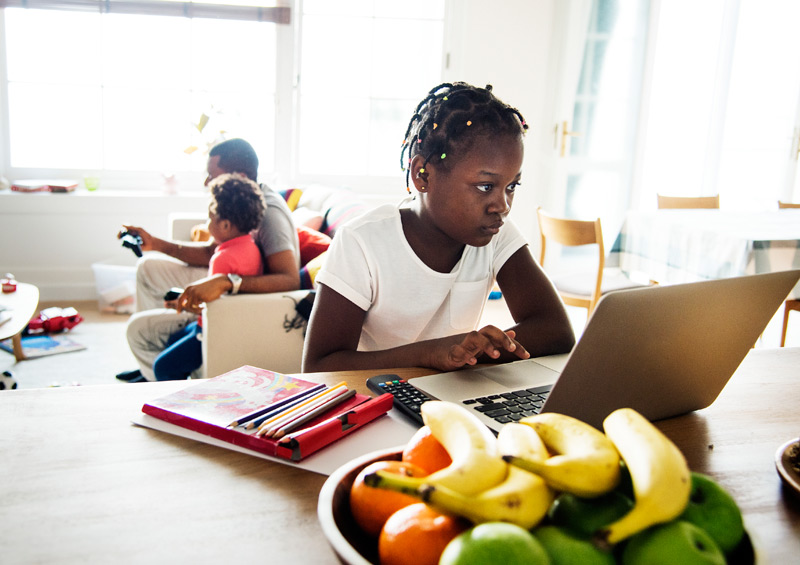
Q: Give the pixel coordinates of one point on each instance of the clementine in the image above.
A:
(425, 451)
(371, 506)
(417, 535)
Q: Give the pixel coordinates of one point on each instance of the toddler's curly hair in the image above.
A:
(236, 198)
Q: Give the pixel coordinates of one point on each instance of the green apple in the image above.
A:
(584, 516)
(566, 548)
(494, 542)
(670, 543)
(714, 510)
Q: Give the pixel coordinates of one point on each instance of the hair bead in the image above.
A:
(452, 106)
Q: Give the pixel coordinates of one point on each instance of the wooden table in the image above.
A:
(81, 484)
(22, 303)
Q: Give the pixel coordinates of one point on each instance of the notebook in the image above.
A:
(210, 406)
(661, 350)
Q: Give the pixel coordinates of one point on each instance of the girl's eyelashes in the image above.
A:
(488, 187)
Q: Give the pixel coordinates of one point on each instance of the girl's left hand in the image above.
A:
(489, 340)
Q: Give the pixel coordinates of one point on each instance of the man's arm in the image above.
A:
(283, 276)
(194, 253)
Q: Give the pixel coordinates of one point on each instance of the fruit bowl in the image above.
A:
(350, 544)
(353, 547)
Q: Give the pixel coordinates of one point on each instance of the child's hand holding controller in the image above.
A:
(489, 340)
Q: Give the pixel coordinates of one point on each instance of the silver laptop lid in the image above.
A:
(662, 350)
(666, 350)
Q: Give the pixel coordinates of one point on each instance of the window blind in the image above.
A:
(262, 12)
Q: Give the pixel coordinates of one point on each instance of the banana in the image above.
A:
(521, 441)
(522, 499)
(476, 464)
(660, 475)
(584, 461)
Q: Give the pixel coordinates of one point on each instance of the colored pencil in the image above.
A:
(275, 405)
(319, 410)
(299, 399)
(304, 406)
(270, 427)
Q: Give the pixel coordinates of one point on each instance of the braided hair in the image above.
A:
(451, 118)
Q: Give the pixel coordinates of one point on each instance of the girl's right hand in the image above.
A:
(489, 340)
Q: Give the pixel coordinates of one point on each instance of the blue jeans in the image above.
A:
(183, 355)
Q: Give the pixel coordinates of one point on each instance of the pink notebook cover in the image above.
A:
(210, 405)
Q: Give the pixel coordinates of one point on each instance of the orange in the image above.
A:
(371, 506)
(417, 535)
(425, 451)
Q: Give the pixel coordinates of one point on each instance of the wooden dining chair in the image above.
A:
(688, 201)
(791, 303)
(582, 289)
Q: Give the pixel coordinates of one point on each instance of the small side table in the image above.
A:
(22, 305)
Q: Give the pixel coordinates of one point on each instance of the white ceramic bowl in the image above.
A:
(351, 546)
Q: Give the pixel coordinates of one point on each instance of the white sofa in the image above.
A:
(263, 330)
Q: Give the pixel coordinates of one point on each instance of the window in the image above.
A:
(723, 112)
(362, 74)
(601, 156)
(131, 96)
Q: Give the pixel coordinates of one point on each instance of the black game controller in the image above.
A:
(132, 242)
(173, 294)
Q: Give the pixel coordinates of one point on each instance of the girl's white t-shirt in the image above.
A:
(371, 264)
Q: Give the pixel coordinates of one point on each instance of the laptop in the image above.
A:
(661, 350)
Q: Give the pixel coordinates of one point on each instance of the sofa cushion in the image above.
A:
(312, 243)
(337, 205)
(308, 274)
(292, 197)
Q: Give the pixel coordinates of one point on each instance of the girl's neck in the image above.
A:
(232, 235)
(434, 248)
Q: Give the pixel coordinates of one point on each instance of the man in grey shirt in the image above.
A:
(186, 266)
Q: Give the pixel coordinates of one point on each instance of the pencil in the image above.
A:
(292, 412)
(270, 427)
(274, 405)
(285, 408)
(321, 409)
(294, 401)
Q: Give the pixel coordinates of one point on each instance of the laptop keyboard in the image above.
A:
(511, 406)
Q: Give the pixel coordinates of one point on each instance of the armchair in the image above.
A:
(264, 330)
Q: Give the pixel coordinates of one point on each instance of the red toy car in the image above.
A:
(52, 320)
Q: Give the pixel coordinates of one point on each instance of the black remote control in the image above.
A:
(407, 399)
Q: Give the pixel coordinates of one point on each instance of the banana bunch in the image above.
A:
(522, 498)
(549, 453)
(659, 473)
(584, 461)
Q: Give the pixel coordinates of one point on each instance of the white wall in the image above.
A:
(509, 47)
(51, 240)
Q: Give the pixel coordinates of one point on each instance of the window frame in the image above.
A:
(287, 103)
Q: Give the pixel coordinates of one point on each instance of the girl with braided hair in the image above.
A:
(405, 285)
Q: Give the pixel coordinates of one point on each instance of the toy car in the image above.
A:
(55, 319)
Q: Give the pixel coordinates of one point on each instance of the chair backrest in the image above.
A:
(785, 205)
(573, 233)
(688, 201)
